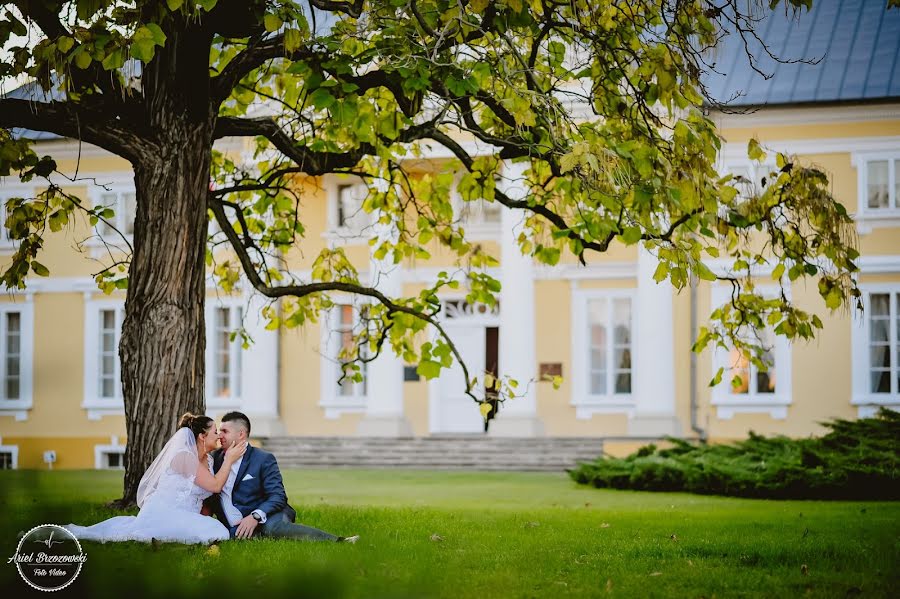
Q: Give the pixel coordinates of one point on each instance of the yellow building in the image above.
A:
(621, 342)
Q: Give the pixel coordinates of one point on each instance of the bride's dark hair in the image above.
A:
(197, 424)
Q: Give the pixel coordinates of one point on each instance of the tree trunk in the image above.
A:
(163, 340)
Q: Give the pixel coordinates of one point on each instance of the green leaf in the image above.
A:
(115, 60)
(718, 378)
(39, 269)
(755, 151)
(631, 235)
(292, 40)
(65, 43)
(142, 50)
(429, 369)
(705, 273)
(82, 60)
(834, 298)
(662, 271)
(321, 98)
(174, 4)
(159, 38)
(272, 22)
(778, 272)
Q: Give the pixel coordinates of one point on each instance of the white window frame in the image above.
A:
(101, 451)
(330, 399)
(19, 407)
(872, 218)
(118, 183)
(774, 404)
(477, 229)
(8, 192)
(587, 404)
(98, 406)
(335, 232)
(12, 450)
(237, 309)
(756, 171)
(866, 402)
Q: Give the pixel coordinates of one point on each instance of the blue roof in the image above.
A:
(856, 44)
(32, 91)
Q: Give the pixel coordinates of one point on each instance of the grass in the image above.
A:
(498, 535)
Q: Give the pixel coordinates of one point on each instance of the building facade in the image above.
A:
(620, 341)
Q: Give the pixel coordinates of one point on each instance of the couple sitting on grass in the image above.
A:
(192, 478)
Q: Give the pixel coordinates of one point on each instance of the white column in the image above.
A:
(654, 373)
(517, 417)
(260, 371)
(384, 402)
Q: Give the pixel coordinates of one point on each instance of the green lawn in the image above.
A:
(498, 535)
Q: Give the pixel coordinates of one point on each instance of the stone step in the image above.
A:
(450, 452)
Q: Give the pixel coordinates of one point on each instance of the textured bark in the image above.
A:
(163, 336)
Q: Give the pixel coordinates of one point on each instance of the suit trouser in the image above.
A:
(279, 526)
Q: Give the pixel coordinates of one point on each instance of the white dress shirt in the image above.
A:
(232, 513)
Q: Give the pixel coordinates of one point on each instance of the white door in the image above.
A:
(456, 411)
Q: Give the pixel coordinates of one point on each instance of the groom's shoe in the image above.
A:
(351, 540)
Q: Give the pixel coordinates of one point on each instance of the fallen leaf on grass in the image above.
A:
(655, 573)
(609, 585)
(213, 551)
(674, 538)
(532, 524)
(436, 538)
(605, 525)
(804, 569)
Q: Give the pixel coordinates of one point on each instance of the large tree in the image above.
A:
(603, 101)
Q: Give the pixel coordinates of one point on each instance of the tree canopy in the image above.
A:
(603, 101)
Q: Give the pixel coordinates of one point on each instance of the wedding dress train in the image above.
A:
(169, 502)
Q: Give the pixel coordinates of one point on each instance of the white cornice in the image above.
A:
(807, 115)
(737, 151)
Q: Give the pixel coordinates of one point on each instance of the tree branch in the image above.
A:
(75, 122)
(298, 291)
(43, 16)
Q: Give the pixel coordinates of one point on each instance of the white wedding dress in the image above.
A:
(170, 502)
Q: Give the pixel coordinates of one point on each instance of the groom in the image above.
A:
(253, 501)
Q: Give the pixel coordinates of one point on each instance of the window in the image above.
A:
(878, 191)
(102, 376)
(16, 324)
(110, 457)
(6, 194)
(350, 213)
(6, 461)
(124, 204)
(346, 318)
(103, 333)
(744, 387)
(224, 318)
(478, 216)
(603, 351)
(338, 328)
(882, 184)
(609, 320)
(110, 332)
(743, 377)
(876, 349)
(750, 178)
(115, 460)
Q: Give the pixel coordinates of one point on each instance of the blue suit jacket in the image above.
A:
(264, 491)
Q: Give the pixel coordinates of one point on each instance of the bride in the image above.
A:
(172, 491)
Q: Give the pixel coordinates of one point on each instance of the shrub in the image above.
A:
(855, 460)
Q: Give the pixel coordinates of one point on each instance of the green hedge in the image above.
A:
(856, 460)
